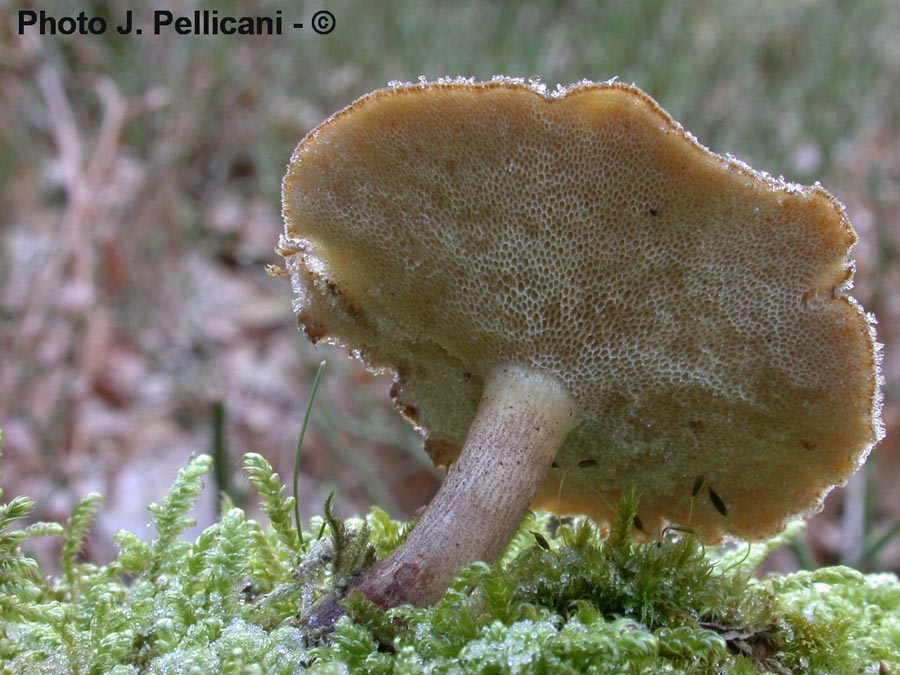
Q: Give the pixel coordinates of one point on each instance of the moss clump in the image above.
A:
(561, 600)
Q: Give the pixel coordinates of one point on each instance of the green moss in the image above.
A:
(560, 600)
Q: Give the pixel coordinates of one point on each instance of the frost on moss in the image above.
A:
(560, 600)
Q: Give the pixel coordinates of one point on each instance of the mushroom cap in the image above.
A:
(695, 309)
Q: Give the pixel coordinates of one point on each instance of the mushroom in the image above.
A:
(578, 299)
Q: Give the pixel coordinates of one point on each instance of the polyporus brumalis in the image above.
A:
(578, 299)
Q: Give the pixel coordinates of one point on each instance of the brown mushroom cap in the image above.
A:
(695, 310)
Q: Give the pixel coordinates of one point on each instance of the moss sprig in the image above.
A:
(171, 518)
(274, 501)
(76, 531)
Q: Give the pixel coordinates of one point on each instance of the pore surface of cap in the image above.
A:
(696, 310)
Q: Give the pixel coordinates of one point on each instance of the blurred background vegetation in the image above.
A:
(139, 203)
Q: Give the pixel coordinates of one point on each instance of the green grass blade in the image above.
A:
(296, 481)
(874, 544)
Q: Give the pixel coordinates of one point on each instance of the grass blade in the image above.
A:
(296, 481)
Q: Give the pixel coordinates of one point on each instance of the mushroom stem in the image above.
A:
(521, 422)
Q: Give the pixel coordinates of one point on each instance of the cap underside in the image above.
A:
(695, 309)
